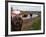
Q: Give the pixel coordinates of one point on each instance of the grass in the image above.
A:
(36, 23)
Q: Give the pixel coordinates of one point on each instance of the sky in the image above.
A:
(26, 8)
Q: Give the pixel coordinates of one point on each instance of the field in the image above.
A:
(36, 23)
(32, 24)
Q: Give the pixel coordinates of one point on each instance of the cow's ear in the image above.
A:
(30, 14)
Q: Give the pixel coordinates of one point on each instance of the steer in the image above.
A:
(16, 23)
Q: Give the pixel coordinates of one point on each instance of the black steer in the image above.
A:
(16, 23)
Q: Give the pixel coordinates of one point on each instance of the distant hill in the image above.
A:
(32, 12)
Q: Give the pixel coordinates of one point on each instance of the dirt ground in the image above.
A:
(26, 24)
